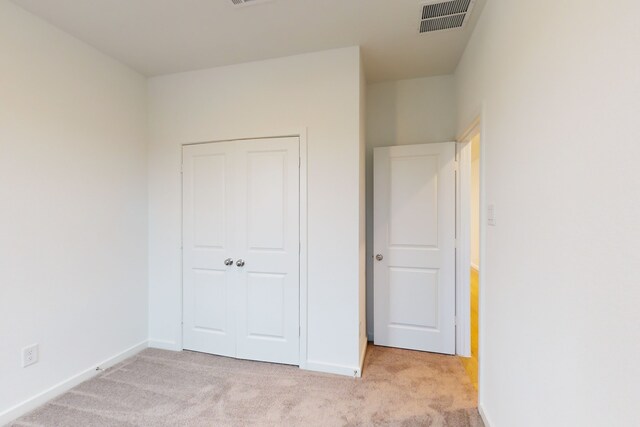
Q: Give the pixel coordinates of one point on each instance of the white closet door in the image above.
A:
(414, 240)
(208, 239)
(241, 249)
(268, 236)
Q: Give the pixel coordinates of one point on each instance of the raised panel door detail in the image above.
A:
(413, 195)
(209, 219)
(413, 298)
(266, 176)
(266, 306)
(210, 300)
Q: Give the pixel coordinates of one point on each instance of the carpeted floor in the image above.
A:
(163, 388)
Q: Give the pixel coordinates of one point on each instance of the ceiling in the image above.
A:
(158, 37)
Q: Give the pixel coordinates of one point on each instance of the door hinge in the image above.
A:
(299, 331)
(455, 320)
(455, 166)
(455, 243)
(299, 162)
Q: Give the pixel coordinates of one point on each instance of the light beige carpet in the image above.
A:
(163, 388)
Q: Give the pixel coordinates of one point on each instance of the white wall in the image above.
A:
(319, 91)
(73, 273)
(559, 332)
(362, 303)
(415, 111)
(474, 226)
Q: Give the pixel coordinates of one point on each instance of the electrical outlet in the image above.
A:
(29, 355)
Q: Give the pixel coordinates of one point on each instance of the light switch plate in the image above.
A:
(491, 215)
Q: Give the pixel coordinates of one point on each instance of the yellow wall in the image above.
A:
(471, 363)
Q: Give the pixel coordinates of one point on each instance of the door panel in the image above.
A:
(208, 186)
(208, 316)
(267, 221)
(210, 301)
(266, 198)
(266, 306)
(414, 231)
(413, 193)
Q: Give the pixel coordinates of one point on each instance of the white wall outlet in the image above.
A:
(491, 214)
(29, 355)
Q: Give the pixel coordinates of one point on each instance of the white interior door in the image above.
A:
(208, 238)
(268, 239)
(414, 241)
(241, 249)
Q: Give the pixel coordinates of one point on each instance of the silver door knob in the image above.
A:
(228, 261)
(379, 257)
(240, 263)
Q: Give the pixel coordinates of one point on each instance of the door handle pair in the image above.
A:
(229, 261)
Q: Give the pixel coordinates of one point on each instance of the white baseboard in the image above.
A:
(164, 345)
(41, 398)
(331, 368)
(484, 417)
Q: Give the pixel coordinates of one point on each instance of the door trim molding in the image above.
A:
(463, 249)
(478, 126)
(301, 134)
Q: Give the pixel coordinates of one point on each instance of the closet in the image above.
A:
(241, 237)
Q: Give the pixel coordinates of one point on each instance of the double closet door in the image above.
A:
(241, 249)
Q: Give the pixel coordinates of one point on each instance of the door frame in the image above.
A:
(301, 134)
(463, 235)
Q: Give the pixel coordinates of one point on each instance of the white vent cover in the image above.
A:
(447, 15)
(247, 2)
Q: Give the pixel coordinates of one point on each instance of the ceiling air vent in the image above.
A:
(448, 15)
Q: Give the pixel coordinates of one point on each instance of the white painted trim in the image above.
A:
(363, 353)
(482, 272)
(165, 345)
(473, 129)
(304, 278)
(43, 397)
(483, 415)
(463, 249)
(301, 134)
(478, 126)
(332, 368)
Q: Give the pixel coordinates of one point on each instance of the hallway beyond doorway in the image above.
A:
(471, 363)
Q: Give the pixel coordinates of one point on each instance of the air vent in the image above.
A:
(448, 15)
(247, 2)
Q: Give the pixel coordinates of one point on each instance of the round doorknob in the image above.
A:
(240, 263)
(228, 261)
(379, 257)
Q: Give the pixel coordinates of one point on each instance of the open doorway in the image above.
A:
(471, 363)
(469, 232)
